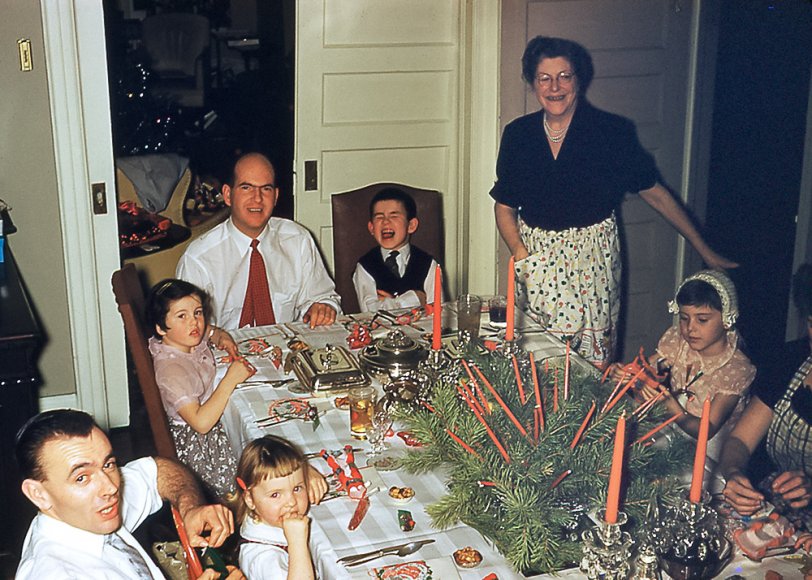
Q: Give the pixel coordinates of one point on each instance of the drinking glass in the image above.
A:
(380, 423)
(361, 410)
(497, 311)
(469, 310)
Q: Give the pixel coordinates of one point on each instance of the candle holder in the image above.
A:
(435, 364)
(510, 347)
(607, 549)
(693, 543)
(647, 565)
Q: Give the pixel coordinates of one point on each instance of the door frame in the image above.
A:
(73, 33)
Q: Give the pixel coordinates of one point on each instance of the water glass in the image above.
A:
(469, 310)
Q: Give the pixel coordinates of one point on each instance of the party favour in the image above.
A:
(350, 480)
(408, 571)
(409, 439)
(282, 410)
(649, 377)
(764, 536)
(359, 336)
(257, 345)
(405, 520)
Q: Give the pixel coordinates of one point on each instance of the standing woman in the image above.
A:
(561, 174)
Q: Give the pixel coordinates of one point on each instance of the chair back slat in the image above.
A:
(130, 299)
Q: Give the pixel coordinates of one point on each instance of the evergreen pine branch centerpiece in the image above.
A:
(525, 464)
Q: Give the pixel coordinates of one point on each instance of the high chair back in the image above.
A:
(130, 299)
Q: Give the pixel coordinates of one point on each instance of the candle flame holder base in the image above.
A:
(607, 549)
(436, 363)
(692, 542)
(510, 348)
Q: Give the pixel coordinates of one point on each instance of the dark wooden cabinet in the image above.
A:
(20, 342)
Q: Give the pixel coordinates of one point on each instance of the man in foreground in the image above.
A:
(88, 506)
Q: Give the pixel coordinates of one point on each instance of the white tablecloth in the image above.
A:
(380, 526)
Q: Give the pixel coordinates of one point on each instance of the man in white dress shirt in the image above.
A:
(219, 261)
(88, 506)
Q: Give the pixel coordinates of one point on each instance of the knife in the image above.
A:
(360, 512)
(381, 552)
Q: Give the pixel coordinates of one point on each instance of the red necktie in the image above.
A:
(257, 309)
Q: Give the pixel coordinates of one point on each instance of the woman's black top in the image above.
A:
(600, 160)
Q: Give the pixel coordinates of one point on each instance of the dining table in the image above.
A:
(248, 417)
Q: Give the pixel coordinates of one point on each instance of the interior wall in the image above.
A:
(28, 184)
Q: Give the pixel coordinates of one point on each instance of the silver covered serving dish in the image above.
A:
(330, 368)
(394, 355)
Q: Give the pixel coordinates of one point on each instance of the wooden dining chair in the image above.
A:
(351, 238)
(130, 299)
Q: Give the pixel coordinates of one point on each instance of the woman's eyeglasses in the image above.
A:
(564, 78)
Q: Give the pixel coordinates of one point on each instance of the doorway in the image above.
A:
(759, 126)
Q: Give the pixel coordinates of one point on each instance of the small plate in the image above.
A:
(467, 566)
(400, 500)
(496, 325)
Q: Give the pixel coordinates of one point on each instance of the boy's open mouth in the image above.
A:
(387, 234)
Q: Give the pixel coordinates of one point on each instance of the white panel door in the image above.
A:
(377, 93)
(641, 51)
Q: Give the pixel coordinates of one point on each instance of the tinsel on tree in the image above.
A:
(532, 496)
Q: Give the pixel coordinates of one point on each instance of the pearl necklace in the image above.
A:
(556, 136)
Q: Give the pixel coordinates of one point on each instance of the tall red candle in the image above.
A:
(615, 476)
(437, 331)
(701, 452)
(511, 299)
(567, 373)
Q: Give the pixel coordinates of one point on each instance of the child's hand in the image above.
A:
(647, 392)
(383, 294)
(296, 528)
(617, 373)
(239, 371)
(316, 486)
(223, 341)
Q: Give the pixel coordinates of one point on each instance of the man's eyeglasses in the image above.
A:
(564, 78)
(265, 189)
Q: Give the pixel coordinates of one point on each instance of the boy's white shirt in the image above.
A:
(367, 289)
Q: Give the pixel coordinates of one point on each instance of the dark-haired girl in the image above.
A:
(703, 354)
(177, 311)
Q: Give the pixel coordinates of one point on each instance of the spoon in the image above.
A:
(404, 550)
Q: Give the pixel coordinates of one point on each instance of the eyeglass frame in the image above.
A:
(564, 78)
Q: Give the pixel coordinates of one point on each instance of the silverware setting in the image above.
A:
(276, 383)
(400, 550)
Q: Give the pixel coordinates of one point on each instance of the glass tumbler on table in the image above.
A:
(361, 410)
(497, 311)
(469, 310)
(380, 424)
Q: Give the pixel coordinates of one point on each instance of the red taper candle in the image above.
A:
(511, 299)
(437, 330)
(701, 451)
(616, 475)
